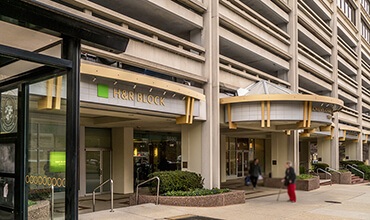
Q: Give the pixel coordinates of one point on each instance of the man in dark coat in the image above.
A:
(254, 172)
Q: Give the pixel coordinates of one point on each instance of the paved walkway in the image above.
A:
(328, 202)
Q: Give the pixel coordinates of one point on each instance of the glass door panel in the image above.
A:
(240, 163)
(93, 171)
(46, 150)
(106, 169)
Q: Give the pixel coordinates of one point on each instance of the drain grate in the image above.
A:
(192, 217)
(335, 202)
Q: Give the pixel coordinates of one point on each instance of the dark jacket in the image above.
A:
(289, 176)
(255, 170)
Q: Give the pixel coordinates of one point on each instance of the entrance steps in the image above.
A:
(102, 202)
(325, 182)
(356, 179)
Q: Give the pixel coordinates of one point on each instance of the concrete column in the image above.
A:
(292, 29)
(324, 150)
(279, 153)
(82, 164)
(334, 162)
(223, 157)
(191, 147)
(351, 150)
(122, 160)
(211, 127)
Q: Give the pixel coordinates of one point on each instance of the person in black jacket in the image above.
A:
(289, 181)
(254, 172)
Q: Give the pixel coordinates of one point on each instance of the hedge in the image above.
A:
(319, 165)
(176, 181)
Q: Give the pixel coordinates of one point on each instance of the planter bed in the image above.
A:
(39, 211)
(306, 185)
(222, 199)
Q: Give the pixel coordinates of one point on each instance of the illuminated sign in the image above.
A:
(57, 161)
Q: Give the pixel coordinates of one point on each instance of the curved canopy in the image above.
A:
(267, 106)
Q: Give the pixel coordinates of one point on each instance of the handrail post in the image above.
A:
(352, 167)
(159, 180)
(52, 202)
(94, 201)
(151, 179)
(111, 195)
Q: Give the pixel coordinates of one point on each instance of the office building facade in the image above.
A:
(198, 85)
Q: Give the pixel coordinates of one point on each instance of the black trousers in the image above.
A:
(254, 180)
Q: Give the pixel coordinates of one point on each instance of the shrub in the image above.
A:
(302, 170)
(176, 181)
(31, 203)
(197, 192)
(364, 168)
(350, 162)
(305, 176)
(320, 165)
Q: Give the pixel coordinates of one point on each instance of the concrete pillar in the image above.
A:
(351, 150)
(223, 157)
(191, 147)
(122, 160)
(210, 144)
(279, 153)
(324, 150)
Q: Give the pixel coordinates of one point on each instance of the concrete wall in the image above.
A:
(191, 147)
(122, 160)
(279, 152)
(324, 150)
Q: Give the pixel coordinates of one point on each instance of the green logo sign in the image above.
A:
(103, 90)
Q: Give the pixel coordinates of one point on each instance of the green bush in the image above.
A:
(31, 203)
(319, 165)
(176, 181)
(305, 176)
(197, 192)
(350, 162)
(364, 168)
(302, 170)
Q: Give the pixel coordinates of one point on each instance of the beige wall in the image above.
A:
(351, 150)
(191, 147)
(324, 150)
(122, 160)
(279, 152)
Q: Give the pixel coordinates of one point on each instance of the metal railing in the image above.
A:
(52, 202)
(111, 194)
(326, 174)
(146, 181)
(352, 167)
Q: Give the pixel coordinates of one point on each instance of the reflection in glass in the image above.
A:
(9, 110)
(6, 192)
(92, 170)
(7, 158)
(46, 148)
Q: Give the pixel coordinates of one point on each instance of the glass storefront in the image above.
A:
(154, 151)
(46, 161)
(98, 158)
(239, 151)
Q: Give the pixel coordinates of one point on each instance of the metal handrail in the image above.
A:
(352, 167)
(52, 203)
(111, 194)
(326, 173)
(146, 181)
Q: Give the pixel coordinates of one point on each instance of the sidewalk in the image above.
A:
(328, 202)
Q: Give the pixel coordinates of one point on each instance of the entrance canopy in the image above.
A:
(267, 106)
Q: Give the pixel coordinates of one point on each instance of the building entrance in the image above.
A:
(238, 155)
(98, 163)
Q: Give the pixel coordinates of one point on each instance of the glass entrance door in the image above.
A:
(8, 133)
(98, 166)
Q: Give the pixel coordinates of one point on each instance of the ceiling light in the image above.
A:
(134, 86)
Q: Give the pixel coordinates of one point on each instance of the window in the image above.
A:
(365, 31)
(366, 5)
(348, 9)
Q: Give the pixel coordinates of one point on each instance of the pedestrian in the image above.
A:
(289, 181)
(254, 172)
